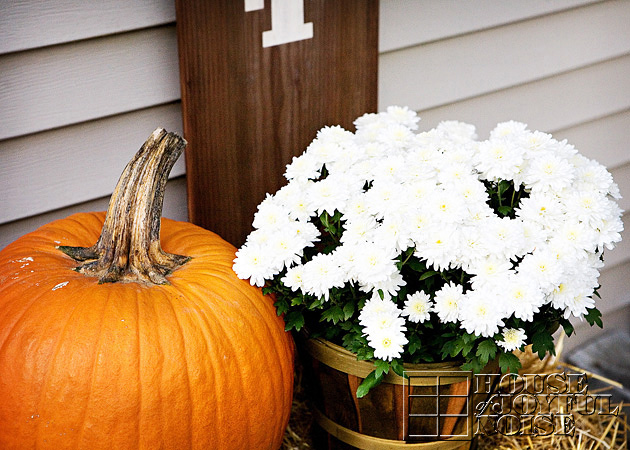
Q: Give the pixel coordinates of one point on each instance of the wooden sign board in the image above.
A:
(258, 79)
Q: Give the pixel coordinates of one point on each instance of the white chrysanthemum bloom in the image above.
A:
(417, 307)
(376, 310)
(459, 132)
(305, 231)
(384, 198)
(535, 141)
(549, 173)
(523, 298)
(324, 151)
(388, 286)
(447, 302)
(304, 167)
(510, 129)
(395, 136)
(589, 207)
(285, 249)
(473, 247)
(404, 116)
(513, 338)
(321, 274)
(541, 208)
(387, 344)
(498, 159)
(391, 169)
(439, 246)
(328, 195)
(573, 238)
(271, 214)
(358, 228)
(482, 313)
(252, 262)
(373, 263)
(608, 230)
(489, 271)
(578, 304)
(335, 134)
(593, 176)
(446, 207)
(293, 278)
(504, 236)
(542, 268)
(292, 196)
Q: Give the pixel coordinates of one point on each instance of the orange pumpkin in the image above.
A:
(137, 348)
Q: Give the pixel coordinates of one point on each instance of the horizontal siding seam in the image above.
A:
(594, 119)
(87, 39)
(494, 27)
(95, 119)
(529, 82)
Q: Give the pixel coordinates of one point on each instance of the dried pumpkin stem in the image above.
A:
(128, 248)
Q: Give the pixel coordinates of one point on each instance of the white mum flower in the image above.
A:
(271, 214)
(294, 277)
(404, 116)
(523, 298)
(252, 262)
(498, 159)
(321, 274)
(447, 302)
(304, 167)
(549, 172)
(378, 311)
(417, 307)
(542, 268)
(513, 338)
(481, 313)
(387, 344)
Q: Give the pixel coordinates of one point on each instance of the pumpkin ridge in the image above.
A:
(270, 336)
(198, 291)
(185, 369)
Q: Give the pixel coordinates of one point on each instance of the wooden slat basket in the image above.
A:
(398, 414)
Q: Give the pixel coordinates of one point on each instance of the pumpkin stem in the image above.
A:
(128, 248)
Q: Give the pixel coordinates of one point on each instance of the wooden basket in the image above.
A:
(398, 414)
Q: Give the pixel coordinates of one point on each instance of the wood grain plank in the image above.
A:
(28, 24)
(550, 104)
(174, 208)
(58, 86)
(404, 23)
(58, 168)
(505, 56)
(247, 109)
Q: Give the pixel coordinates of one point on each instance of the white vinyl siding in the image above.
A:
(84, 83)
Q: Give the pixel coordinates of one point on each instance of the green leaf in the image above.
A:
(333, 314)
(427, 274)
(504, 210)
(594, 317)
(542, 342)
(398, 368)
(348, 310)
(486, 350)
(294, 320)
(382, 367)
(414, 344)
(370, 381)
(281, 307)
(509, 362)
(567, 326)
(473, 365)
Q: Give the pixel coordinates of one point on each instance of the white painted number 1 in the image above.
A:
(287, 21)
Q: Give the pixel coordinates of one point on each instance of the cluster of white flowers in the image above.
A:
(397, 189)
